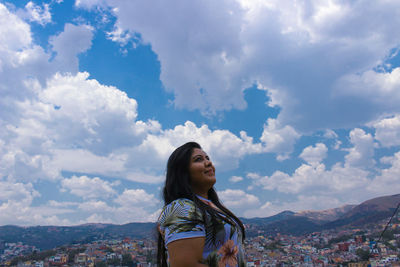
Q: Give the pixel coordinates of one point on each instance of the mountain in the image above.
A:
(326, 215)
(268, 220)
(369, 211)
(299, 223)
(287, 222)
(47, 237)
(294, 225)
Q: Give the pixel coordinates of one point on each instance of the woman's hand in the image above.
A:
(186, 252)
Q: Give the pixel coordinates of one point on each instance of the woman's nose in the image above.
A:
(208, 162)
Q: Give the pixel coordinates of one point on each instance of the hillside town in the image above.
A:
(344, 247)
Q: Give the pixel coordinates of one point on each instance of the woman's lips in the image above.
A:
(210, 172)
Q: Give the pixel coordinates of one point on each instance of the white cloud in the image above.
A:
(133, 205)
(37, 13)
(279, 139)
(314, 154)
(84, 161)
(98, 117)
(300, 52)
(388, 181)
(120, 36)
(69, 122)
(89, 3)
(224, 148)
(24, 193)
(238, 200)
(95, 206)
(132, 197)
(312, 177)
(209, 50)
(361, 154)
(88, 188)
(338, 179)
(313, 186)
(54, 203)
(235, 179)
(300, 203)
(387, 131)
(74, 124)
(68, 44)
(14, 33)
(16, 206)
(379, 89)
(330, 134)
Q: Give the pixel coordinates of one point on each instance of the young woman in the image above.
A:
(195, 229)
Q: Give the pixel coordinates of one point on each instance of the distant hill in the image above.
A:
(287, 222)
(284, 215)
(369, 211)
(326, 215)
(47, 237)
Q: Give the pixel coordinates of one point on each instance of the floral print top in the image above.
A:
(181, 219)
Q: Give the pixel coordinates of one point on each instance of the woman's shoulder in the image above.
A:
(179, 208)
(182, 201)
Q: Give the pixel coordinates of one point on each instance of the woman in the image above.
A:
(195, 229)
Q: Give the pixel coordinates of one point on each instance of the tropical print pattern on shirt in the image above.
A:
(223, 246)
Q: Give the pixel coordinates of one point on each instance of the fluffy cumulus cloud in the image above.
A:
(313, 178)
(15, 206)
(208, 47)
(314, 186)
(279, 139)
(133, 197)
(86, 187)
(300, 203)
(133, 205)
(387, 131)
(73, 124)
(314, 154)
(235, 179)
(36, 13)
(388, 180)
(224, 148)
(74, 40)
(316, 63)
(238, 200)
(361, 154)
(311, 56)
(56, 119)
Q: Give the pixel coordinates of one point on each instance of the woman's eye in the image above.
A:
(197, 159)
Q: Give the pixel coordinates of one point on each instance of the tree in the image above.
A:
(363, 254)
(100, 264)
(127, 260)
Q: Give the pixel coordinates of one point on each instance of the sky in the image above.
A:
(295, 102)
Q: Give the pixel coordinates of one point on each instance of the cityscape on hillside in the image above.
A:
(359, 237)
(343, 247)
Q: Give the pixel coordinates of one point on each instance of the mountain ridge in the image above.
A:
(286, 222)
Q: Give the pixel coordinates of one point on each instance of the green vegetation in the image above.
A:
(73, 252)
(127, 260)
(340, 239)
(35, 256)
(363, 254)
(101, 264)
(275, 245)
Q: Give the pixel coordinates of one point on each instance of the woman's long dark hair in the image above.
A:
(178, 185)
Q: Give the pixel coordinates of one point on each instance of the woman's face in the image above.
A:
(202, 172)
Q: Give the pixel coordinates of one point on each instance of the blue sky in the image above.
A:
(296, 104)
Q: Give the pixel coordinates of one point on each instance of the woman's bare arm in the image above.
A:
(186, 252)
